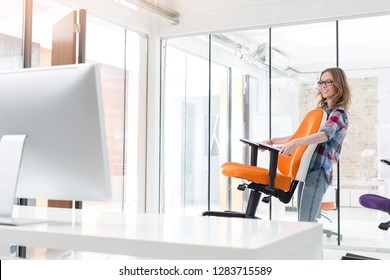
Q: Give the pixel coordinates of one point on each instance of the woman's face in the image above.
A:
(326, 85)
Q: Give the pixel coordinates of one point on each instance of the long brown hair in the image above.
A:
(342, 96)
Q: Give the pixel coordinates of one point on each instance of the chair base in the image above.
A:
(329, 233)
(250, 212)
(384, 226)
(228, 214)
(350, 256)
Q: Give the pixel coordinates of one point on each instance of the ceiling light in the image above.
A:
(152, 9)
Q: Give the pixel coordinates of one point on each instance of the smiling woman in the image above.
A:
(335, 98)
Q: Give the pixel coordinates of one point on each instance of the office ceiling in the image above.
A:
(363, 43)
(185, 6)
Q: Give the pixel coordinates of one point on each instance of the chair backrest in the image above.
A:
(297, 164)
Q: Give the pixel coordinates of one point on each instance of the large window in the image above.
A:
(364, 54)
(121, 55)
(244, 108)
(105, 44)
(205, 108)
(298, 57)
(11, 28)
(186, 128)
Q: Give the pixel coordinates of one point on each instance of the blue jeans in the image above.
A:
(310, 195)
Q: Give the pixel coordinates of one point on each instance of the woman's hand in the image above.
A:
(268, 141)
(288, 148)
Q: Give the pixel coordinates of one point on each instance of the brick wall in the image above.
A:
(363, 129)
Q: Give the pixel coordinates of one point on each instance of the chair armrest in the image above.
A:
(273, 163)
(260, 145)
(385, 161)
(268, 147)
(253, 151)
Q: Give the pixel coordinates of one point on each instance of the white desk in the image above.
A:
(165, 237)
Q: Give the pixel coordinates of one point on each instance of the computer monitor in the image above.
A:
(63, 156)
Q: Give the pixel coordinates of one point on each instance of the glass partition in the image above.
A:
(105, 44)
(135, 120)
(244, 53)
(11, 29)
(217, 108)
(364, 45)
(45, 15)
(299, 54)
(185, 125)
(121, 54)
(263, 82)
(243, 101)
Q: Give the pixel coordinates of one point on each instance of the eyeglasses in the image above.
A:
(328, 83)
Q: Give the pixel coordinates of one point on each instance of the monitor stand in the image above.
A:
(11, 152)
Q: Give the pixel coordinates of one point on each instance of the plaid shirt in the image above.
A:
(328, 152)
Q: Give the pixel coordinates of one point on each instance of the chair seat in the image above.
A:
(328, 205)
(374, 201)
(255, 174)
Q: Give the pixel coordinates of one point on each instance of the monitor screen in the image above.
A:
(59, 109)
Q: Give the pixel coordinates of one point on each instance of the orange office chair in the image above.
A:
(284, 173)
